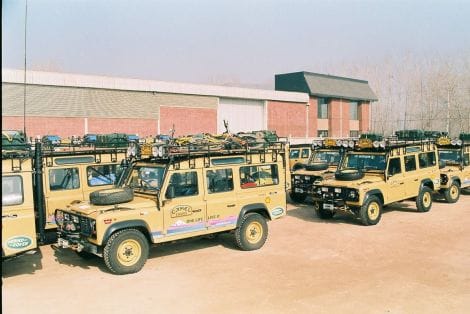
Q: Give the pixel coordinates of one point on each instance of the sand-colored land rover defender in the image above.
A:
(174, 192)
(455, 156)
(35, 182)
(323, 162)
(377, 173)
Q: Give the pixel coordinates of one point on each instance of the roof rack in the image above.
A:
(172, 153)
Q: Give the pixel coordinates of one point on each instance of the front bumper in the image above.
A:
(76, 243)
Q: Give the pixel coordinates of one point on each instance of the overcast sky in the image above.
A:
(210, 41)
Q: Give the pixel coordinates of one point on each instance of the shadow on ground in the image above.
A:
(27, 263)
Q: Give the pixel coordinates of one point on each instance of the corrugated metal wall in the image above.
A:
(58, 101)
(241, 114)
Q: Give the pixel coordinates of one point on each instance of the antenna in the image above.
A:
(24, 77)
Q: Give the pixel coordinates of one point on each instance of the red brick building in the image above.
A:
(339, 106)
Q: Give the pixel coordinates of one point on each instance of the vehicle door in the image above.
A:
(62, 185)
(412, 176)
(294, 157)
(222, 207)
(305, 154)
(18, 218)
(184, 207)
(395, 180)
(99, 176)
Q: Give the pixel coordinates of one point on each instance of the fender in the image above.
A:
(253, 208)
(456, 179)
(426, 182)
(376, 192)
(136, 224)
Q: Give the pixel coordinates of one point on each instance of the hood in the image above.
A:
(366, 180)
(450, 168)
(86, 209)
(305, 172)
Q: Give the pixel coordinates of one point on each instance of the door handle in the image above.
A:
(10, 216)
(231, 205)
(401, 183)
(416, 180)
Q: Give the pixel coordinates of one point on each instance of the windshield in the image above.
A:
(330, 157)
(450, 156)
(146, 178)
(365, 162)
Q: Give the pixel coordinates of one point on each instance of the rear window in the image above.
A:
(12, 190)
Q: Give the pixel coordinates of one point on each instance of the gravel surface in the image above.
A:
(409, 263)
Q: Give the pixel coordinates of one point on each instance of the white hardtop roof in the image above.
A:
(105, 82)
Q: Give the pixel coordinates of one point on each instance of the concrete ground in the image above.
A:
(409, 263)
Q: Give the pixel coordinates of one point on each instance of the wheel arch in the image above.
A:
(428, 183)
(374, 192)
(456, 179)
(258, 208)
(137, 224)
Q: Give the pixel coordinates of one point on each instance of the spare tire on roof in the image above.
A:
(317, 166)
(349, 174)
(112, 196)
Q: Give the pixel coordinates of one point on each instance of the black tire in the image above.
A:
(321, 212)
(317, 166)
(85, 255)
(349, 175)
(424, 199)
(112, 196)
(252, 232)
(298, 197)
(452, 194)
(298, 166)
(126, 252)
(371, 211)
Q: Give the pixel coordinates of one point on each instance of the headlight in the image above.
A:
(324, 189)
(59, 217)
(382, 144)
(353, 195)
(337, 190)
(351, 144)
(376, 144)
(132, 151)
(459, 142)
(75, 219)
(339, 142)
(307, 178)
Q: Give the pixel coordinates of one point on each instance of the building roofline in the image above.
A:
(327, 76)
(119, 83)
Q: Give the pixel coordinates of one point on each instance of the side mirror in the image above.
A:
(442, 164)
(466, 162)
(170, 192)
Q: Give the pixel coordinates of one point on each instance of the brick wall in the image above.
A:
(62, 126)
(143, 127)
(364, 114)
(312, 117)
(188, 120)
(287, 119)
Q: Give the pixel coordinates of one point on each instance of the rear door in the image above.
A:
(222, 210)
(18, 219)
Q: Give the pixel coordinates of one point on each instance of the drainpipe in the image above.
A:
(307, 109)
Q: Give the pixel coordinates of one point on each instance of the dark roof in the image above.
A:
(322, 85)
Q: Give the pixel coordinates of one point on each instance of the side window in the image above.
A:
(12, 190)
(305, 153)
(427, 159)
(410, 163)
(394, 166)
(64, 179)
(182, 184)
(101, 174)
(220, 180)
(294, 153)
(254, 176)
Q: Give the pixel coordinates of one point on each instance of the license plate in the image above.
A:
(297, 190)
(328, 206)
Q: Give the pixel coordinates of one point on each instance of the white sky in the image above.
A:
(242, 42)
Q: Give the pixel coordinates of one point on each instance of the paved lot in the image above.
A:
(410, 263)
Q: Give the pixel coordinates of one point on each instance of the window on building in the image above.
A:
(322, 108)
(353, 110)
(12, 190)
(64, 179)
(220, 180)
(354, 133)
(322, 133)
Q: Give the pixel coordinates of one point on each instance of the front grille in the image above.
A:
(85, 226)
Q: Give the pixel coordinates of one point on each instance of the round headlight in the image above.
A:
(382, 144)
(454, 142)
(376, 144)
(459, 142)
(131, 151)
(155, 151)
(351, 144)
(345, 143)
(339, 142)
